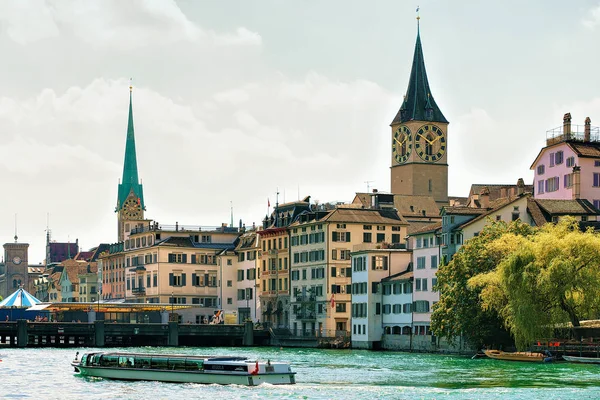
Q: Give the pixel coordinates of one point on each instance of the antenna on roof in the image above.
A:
(369, 185)
(16, 236)
(231, 205)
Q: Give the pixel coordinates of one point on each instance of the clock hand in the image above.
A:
(425, 139)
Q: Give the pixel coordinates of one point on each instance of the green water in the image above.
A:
(322, 374)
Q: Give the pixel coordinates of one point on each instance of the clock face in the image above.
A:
(131, 209)
(402, 144)
(430, 143)
(16, 260)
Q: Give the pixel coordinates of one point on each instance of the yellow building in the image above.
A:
(321, 273)
(274, 262)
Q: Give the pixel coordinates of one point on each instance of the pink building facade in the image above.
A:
(569, 166)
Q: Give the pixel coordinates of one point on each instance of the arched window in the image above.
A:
(396, 330)
(14, 283)
(406, 330)
(388, 330)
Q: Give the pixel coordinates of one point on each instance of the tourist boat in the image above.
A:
(583, 360)
(184, 368)
(518, 356)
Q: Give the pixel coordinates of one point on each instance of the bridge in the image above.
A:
(22, 333)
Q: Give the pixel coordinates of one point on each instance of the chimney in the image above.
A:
(567, 126)
(520, 186)
(576, 182)
(503, 193)
(586, 135)
(484, 198)
(176, 226)
(375, 190)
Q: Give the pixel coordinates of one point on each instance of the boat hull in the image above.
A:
(204, 377)
(519, 356)
(582, 360)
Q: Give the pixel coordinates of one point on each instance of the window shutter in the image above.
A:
(348, 289)
(349, 272)
(170, 278)
(194, 279)
(184, 258)
(183, 279)
(333, 272)
(193, 259)
(373, 263)
(334, 236)
(347, 236)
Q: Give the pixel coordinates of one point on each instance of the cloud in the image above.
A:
(237, 144)
(593, 20)
(112, 23)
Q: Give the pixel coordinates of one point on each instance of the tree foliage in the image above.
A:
(542, 280)
(460, 310)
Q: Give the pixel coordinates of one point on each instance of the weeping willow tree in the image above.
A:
(460, 312)
(543, 280)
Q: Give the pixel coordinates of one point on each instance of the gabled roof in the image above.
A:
(247, 241)
(496, 190)
(418, 98)
(176, 241)
(581, 149)
(407, 206)
(400, 276)
(567, 207)
(429, 228)
(499, 204)
(365, 215)
(463, 211)
(285, 214)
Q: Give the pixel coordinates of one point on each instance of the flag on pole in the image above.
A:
(332, 300)
(417, 8)
(268, 203)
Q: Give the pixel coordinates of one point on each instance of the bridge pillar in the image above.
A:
(91, 316)
(164, 317)
(173, 333)
(22, 333)
(99, 333)
(248, 339)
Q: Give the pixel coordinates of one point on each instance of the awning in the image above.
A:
(39, 307)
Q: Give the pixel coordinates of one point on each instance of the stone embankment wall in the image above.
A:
(425, 344)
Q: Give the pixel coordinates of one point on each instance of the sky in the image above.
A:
(235, 101)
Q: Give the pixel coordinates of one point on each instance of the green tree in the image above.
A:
(459, 311)
(544, 280)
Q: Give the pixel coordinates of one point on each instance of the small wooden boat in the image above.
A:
(583, 360)
(518, 356)
(184, 369)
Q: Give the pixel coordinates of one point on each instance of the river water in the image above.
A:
(322, 374)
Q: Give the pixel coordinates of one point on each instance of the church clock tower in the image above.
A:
(130, 199)
(419, 139)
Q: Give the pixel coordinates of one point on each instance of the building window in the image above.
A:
(570, 162)
(597, 163)
(558, 157)
(541, 169)
(541, 186)
(596, 179)
(379, 263)
(597, 204)
(568, 180)
(434, 262)
(367, 237)
(340, 307)
(420, 262)
(552, 184)
(380, 237)
(551, 159)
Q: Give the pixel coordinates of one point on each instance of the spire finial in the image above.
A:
(418, 18)
(130, 85)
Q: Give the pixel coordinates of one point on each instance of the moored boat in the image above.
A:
(184, 368)
(518, 356)
(583, 360)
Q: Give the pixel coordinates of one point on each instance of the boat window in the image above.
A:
(177, 363)
(194, 364)
(84, 360)
(109, 361)
(159, 362)
(126, 362)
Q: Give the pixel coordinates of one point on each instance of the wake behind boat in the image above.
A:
(518, 356)
(184, 368)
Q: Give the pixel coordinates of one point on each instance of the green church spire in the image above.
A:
(130, 182)
(418, 104)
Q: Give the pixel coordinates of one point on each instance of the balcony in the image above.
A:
(572, 132)
(138, 291)
(138, 268)
(306, 315)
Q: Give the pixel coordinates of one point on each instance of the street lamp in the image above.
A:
(172, 305)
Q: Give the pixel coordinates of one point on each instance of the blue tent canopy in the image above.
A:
(20, 298)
